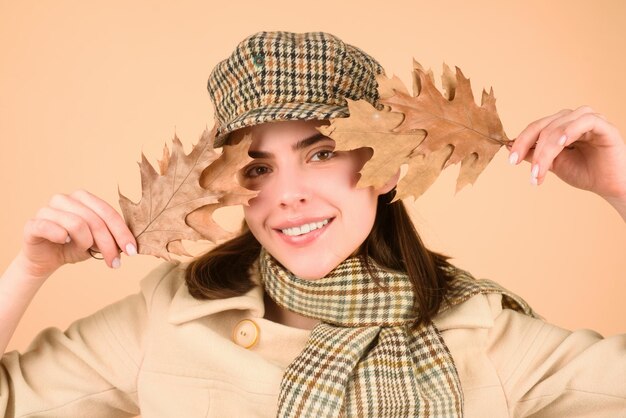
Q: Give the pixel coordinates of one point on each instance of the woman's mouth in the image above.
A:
(305, 233)
(304, 229)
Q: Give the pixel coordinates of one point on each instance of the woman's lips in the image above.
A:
(304, 239)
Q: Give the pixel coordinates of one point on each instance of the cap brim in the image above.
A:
(280, 112)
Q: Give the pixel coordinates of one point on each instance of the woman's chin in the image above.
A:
(311, 273)
(308, 270)
(310, 263)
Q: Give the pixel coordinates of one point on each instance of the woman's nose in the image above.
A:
(292, 189)
(292, 200)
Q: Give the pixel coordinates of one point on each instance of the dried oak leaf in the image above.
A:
(179, 202)
(427, 131)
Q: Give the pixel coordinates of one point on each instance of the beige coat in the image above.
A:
(162, 353)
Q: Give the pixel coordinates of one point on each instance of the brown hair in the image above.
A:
(393, 243)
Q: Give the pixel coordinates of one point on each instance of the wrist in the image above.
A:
(29, 273)
(18, 287)
(619, 203)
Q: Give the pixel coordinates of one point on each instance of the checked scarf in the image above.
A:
(367, 357)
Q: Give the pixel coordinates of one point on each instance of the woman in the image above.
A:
(327, 304)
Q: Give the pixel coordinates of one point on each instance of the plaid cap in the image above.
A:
(274, 76)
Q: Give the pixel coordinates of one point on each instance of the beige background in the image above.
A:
(85, 88)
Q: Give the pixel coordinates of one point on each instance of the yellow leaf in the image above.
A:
(427, 131)
(175, 205)
(368, 127)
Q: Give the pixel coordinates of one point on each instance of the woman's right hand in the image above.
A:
(67, 227)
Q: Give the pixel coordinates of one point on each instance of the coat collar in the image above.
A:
(185, 308)
(477, 312)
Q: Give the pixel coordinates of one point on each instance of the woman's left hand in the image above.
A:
(581, 147)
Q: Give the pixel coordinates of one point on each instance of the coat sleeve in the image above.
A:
(547, 371)
(88, 370)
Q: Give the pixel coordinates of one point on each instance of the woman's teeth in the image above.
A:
(303, 229)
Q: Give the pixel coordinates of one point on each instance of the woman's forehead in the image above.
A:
(265, 133)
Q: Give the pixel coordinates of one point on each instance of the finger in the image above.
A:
(546, 144)
(533, 135)
(101, 235)
(38, 229)
(555, 139)
(594, 123)
(73, 224)
(114, 221)
(528, 137)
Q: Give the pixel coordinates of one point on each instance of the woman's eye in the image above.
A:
(256, 171)
(323, 155)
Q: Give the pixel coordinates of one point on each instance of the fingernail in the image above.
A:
(533, 181)
(513, 158)
(562, 140)
(535, 172)
(116, 263)
(131, 249)
(68, 239)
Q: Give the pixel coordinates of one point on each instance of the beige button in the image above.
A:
(246, 333)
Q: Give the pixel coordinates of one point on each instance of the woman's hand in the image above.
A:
(63, 231)
(581, 147)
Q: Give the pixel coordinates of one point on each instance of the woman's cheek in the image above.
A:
(252, 215)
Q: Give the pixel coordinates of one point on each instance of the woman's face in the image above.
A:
(308, 214)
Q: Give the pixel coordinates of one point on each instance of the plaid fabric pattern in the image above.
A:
(368, 357)
(465, 286)
(367, 304)
(284, 76)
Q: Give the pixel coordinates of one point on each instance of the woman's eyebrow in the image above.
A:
(307, 142)
(301, 144)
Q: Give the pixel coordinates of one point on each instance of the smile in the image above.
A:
(304, 229)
